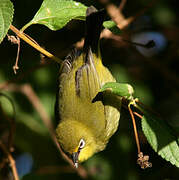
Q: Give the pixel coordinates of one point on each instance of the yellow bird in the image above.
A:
(85, 126)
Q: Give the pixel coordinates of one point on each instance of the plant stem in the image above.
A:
(138, 115)
(135, 129)
(11, 160)
(25, 27)
(34, 45)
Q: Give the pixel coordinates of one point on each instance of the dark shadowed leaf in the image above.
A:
(161, 137)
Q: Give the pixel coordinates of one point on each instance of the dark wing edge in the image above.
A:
(65, 68)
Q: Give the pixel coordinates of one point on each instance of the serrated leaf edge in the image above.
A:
(161, 153)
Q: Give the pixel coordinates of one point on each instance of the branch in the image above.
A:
(135, 129)
(138, 115)
(11, 160)
(117, 16)
(29, 40)
(122, 4)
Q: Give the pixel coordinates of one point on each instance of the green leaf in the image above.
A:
(120, 89)
(55, 14)
(111, 25)
(161, 137)
(6, 16)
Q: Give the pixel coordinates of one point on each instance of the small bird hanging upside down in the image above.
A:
(85, 126)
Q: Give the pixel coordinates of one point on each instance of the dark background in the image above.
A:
(152, 72)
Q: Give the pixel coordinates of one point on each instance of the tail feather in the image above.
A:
(94, 21)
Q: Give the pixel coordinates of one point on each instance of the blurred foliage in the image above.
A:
(155, 80)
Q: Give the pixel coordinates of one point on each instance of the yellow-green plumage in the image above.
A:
(80, 80)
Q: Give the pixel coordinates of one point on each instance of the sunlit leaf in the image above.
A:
(119, 89)
(111, 25)
(55, 14)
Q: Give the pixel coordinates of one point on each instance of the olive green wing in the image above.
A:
(111, 103)
(78, 85)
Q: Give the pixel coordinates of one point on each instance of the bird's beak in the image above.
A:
(75, 159)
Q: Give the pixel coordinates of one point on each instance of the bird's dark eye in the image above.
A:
(81, 144)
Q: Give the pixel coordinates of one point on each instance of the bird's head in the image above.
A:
(77, 140)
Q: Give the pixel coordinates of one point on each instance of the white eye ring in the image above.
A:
(82, 143)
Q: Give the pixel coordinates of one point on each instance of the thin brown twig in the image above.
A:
(137, 114)
(115, 14)
(135, 129)
(16, 67)
(143, 160)
(11, 160)
(122, 4)
(33, 44)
